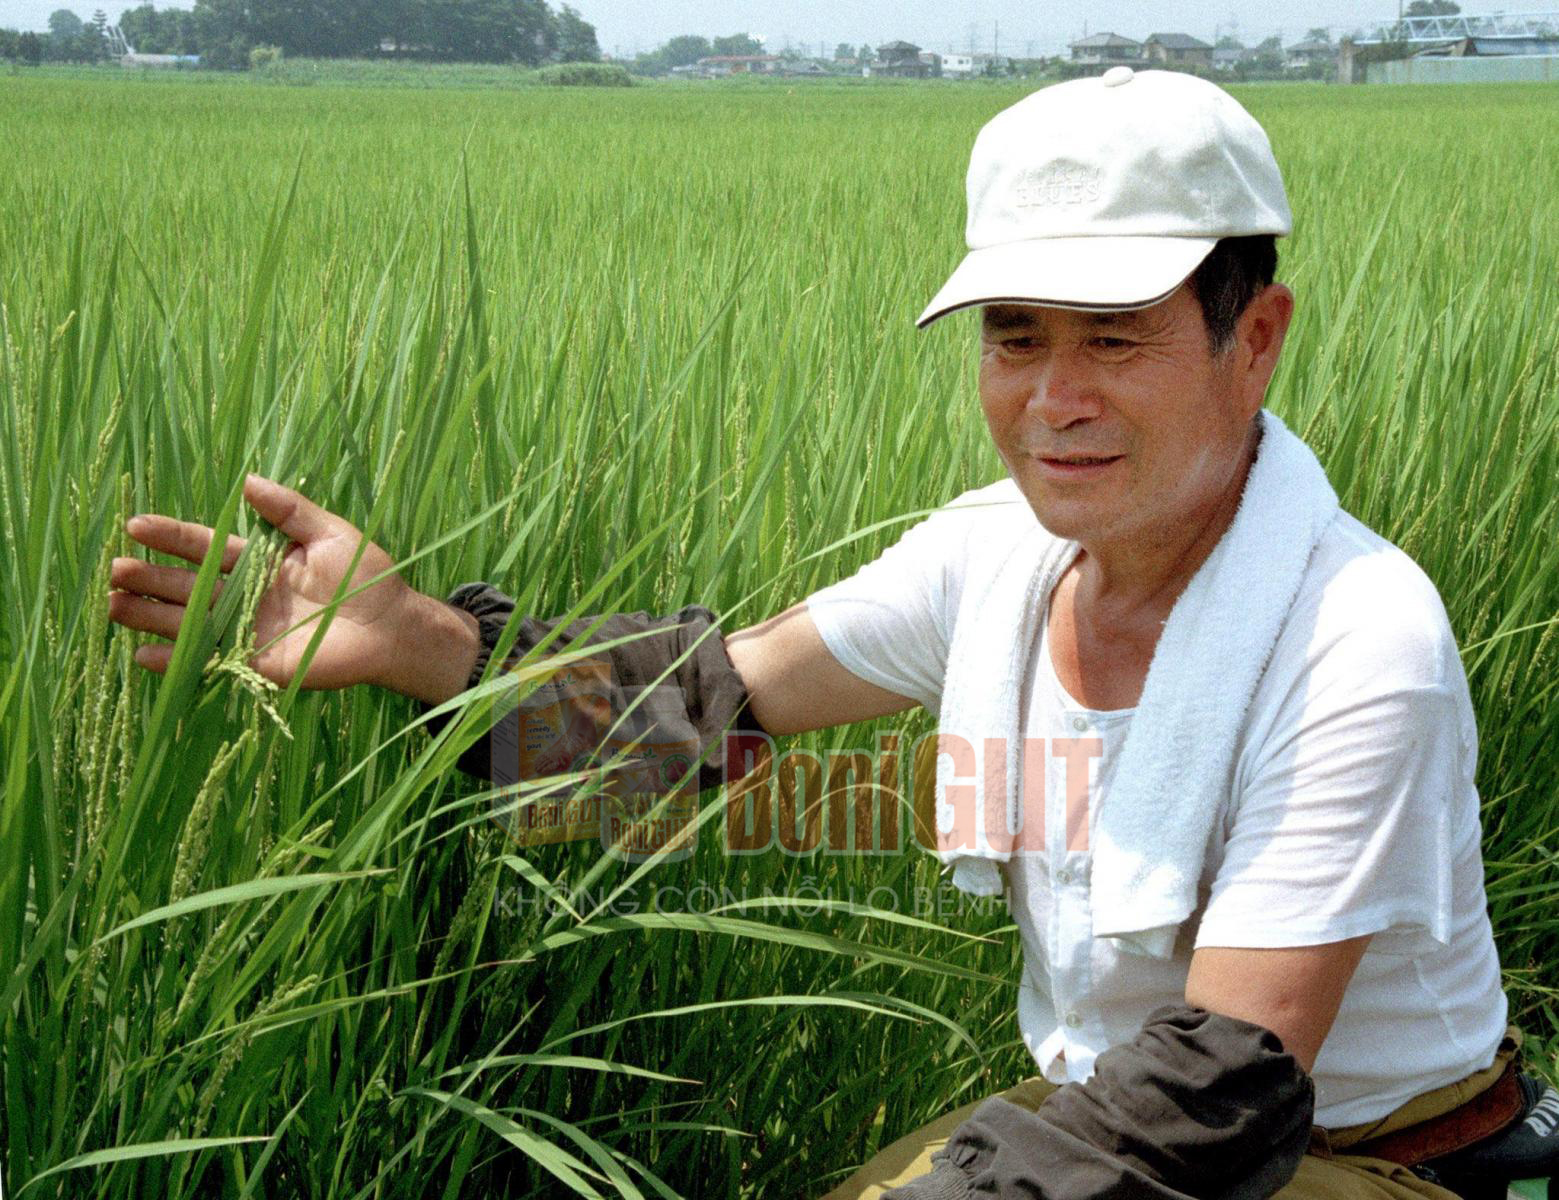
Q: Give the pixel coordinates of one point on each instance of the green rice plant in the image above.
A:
(621, 350)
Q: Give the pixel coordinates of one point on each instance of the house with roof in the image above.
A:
(900, 60)
(967, 66)
(952, 66)
(1229, 58)
(716, 66)
(1178, 50)
(1309, 53)
(1107, 49)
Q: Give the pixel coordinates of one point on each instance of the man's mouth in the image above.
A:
(1075, 465)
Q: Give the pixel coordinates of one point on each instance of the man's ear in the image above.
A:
(1258, 340)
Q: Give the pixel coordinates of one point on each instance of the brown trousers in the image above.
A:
(1327, 1171)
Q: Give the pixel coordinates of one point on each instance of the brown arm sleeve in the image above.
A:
(673, 689)
(1197, 1104)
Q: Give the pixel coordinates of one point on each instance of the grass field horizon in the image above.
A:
(629, 350)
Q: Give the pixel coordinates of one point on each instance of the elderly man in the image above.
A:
(1208, 734)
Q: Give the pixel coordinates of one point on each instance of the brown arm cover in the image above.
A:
(697, 702)
(1196, 1105)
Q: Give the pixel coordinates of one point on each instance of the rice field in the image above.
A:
(610, 350)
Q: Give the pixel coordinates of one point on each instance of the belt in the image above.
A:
(1484, 1115)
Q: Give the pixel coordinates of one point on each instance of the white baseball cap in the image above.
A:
(1106, 193)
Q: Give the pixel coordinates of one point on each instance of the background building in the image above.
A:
(1108, 49)
(1312, 52)
(900, 60)
(1178, 50)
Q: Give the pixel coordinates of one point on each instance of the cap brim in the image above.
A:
(1103, 273)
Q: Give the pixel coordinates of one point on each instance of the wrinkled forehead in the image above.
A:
(1003, 318)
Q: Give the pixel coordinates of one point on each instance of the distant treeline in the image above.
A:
(689, 48)
(223, 32)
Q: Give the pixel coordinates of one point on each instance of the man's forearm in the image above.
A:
(437, 649)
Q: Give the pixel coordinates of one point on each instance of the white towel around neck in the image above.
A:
(1177, 761)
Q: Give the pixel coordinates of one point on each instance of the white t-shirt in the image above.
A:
(1352, 809)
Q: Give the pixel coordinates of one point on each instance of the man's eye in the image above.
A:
(1021, 345)
(1111, 343)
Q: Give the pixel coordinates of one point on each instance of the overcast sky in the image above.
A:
(625, 26)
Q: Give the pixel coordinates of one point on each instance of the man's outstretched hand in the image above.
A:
(388, 634)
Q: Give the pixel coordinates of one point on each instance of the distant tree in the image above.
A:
(178, 31)
(72, 40)
(398, 22)
(574, 38)
(317, 28)
(222, 33)
(844, 50)
(534, 38)
(648, 62)
(226, 54)
(515, 31)
(64, 25)
(64, 44)
(171, 31)
(1319, 34)
(29, 48)
(865, 53)
(1268, 57)
(94, 38)
(322, 28)
(736, 43)
(1433, 8)
(1229, 42)
(684, 50)
(9, 49)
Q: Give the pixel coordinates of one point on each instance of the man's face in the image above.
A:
(1117, 426)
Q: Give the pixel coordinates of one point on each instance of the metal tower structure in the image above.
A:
(1538, 25)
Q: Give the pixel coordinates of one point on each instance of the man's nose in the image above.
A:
(1062, 390)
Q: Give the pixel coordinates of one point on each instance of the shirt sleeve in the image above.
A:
(1349, 825)
(890, 622)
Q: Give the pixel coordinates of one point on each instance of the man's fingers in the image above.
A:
(147, 616)
(291, 512)
(182, 539)
(154, 657)
(174, 584)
